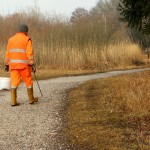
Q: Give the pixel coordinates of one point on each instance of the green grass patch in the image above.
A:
(111, 113)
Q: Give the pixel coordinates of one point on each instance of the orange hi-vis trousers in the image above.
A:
(16, 76)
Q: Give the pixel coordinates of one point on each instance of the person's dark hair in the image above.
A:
(23, 28)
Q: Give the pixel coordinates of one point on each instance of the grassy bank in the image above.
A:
(110, 113)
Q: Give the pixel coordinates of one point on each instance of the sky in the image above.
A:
(64, 7)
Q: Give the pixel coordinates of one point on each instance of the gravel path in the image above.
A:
(35, 127)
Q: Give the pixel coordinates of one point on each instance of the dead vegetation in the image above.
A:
(110, 113)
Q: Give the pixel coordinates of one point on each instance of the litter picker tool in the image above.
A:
(37, 82)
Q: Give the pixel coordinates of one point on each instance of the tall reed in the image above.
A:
(91, 57)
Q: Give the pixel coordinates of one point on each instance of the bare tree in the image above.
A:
(79, 15)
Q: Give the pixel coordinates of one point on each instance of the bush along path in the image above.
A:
(37, 126)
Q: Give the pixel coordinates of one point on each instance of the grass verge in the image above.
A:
(54, 73)
(112, 113)
(48, 74)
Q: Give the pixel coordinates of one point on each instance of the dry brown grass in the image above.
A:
(113, 56)
(59, 57)
(121, 54)
(110, 113)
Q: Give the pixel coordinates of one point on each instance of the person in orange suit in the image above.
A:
(20, 61)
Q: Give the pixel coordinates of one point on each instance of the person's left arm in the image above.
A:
(29, 52)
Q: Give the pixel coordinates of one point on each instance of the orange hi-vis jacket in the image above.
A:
(19, 52)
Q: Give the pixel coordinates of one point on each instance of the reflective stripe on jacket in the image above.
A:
(19, 51)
